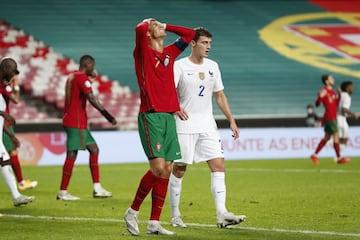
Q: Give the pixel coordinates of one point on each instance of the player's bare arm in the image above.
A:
(223, 104)
(350, 113)
(96, 104)
(8, 117)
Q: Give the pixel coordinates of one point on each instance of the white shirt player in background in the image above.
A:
(344, 112)
(8, 71)
(197, 80)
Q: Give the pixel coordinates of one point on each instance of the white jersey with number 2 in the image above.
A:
(195, 85)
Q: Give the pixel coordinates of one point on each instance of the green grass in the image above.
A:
(280, 198)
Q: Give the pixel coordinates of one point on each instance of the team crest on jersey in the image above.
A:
(158, 146)
(201, 75)
(314, 39)
(166, 60)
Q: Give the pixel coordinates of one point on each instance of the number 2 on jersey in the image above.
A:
(202, 88)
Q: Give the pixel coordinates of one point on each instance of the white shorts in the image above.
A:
(343, 127)
(199, 147)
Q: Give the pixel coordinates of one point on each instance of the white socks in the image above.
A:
(174, 194)
(97, 187)
(218, 190)
(10, 181)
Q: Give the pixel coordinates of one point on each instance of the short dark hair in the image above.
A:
(86, 59)
(324, 78)
(344, 85)
(201, 31)
(8, 68)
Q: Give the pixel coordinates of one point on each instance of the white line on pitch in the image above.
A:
(294, 170)
(189, 224)
(285, 170)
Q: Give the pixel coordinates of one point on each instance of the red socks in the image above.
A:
(15, 164)
(159, 188)
(94, 168)
(146, 184)
(322, 143)
(158, 197)
(67, 172)
(337, 149)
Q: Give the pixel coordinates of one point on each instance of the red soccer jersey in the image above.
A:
(331, 102)
(77, 86)
(154, 70)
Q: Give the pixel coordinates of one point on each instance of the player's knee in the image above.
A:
(71, 154)
(93, 149)
(161, 171)
(217, 165)
(179, 169)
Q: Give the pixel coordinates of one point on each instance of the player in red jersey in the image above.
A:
(77, 92)
(154, 70)
(330, 100)
(11, 93)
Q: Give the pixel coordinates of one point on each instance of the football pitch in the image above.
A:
(283, 199)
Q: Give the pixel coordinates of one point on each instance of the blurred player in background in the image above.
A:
(330, 100)
(11, 93)
(344, 112)
(155, 74)
(198, 79)
(78, 91)
(8, 73)
(312, 119)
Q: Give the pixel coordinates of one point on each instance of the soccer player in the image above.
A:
(343, 112)
(8, 71)
(12, 93)
(198, 79)
(155, 74)
(77, 92)
(330, 100)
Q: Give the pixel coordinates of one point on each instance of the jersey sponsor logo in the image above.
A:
(201, 75)
(315, 40)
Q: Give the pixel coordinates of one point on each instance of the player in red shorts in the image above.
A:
(77, 92)
(330, 100)
(154, 69)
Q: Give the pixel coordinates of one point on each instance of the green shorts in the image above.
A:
(8, 143)
(331, 127)
(158, 135)
(78, 139)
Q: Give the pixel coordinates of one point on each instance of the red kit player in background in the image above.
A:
(154, 70)
(330, 100)
(77, 92)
